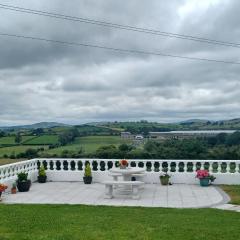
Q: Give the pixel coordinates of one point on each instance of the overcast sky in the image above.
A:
(51, 82)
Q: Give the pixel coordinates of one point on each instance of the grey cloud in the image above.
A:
(42, 81)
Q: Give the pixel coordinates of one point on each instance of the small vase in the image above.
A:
(204, 182)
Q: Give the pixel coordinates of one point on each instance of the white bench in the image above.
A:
(139, 177)
(133, 184)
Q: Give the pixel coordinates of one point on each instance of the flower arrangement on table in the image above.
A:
(123, 163)
(205, 177)
(3, 187)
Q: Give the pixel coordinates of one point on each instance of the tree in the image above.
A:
(18, 138)
(233, 139)
(2, 134)
(37, 131)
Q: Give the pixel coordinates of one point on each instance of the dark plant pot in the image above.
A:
(0, 194)
(204, 182)
(24, 186)
(42, 179)
(164, 180)
(87, 180)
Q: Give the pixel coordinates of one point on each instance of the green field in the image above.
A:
(11, 140)
(43, 140)
(4, 161)
(89, 144)
(74, 222)
(15, 149)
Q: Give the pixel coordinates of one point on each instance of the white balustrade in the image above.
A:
(228, 170)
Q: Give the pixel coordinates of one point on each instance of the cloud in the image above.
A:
(51, 82)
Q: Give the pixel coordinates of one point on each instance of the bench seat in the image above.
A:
(134, 187)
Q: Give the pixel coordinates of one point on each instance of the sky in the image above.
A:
(42, 81)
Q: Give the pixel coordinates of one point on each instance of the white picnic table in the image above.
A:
(127, 172)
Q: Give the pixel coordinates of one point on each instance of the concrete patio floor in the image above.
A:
(153, 195)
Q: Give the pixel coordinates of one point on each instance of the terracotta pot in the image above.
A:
(14, 190)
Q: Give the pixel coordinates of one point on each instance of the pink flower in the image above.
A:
(202, 174)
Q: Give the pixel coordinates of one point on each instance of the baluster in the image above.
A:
(228, 167)
(185, 166)
(211, 167)
(54, 165)
(219, 167)
(152, 166)
(160, 166)
(237, 167)
(144, 165)
(76, 164)
(84, 165)
(194, 166)
(177, 166)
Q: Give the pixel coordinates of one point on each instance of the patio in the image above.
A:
(154, 195)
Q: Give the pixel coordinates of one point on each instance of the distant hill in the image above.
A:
(37, 125)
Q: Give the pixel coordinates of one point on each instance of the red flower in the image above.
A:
(123, 162)
(3, 187)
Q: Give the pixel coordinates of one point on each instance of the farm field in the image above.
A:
(43, 140)
(16, 149)
(4, 161)
(11, 140)
(89, 144)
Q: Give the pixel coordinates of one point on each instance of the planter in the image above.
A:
(24, 186)
(42, 179)
(14, 190)
(0, 196)
(164, 180)
(87, 180)
(123, 167)
(204, 182)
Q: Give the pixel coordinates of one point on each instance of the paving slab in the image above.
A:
(153, 195)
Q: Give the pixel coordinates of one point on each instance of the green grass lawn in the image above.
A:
(89, 144)
(66, 222)
(43, 140)
(234, 192)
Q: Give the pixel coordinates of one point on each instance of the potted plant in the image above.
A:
(3, 187)
(205, 178)
(164, 178)
(42, 176)
(23, 184)
(87, 174)
(123, 163)
(14, 188)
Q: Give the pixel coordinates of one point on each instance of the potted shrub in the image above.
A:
(205, 178)
(42, 176)
(14, 188)
(164, 178)
(3, 187)
(23, 184)
(87, 174)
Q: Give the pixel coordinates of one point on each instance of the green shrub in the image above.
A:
(88, 171)
(41, 171)
(22, 176)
